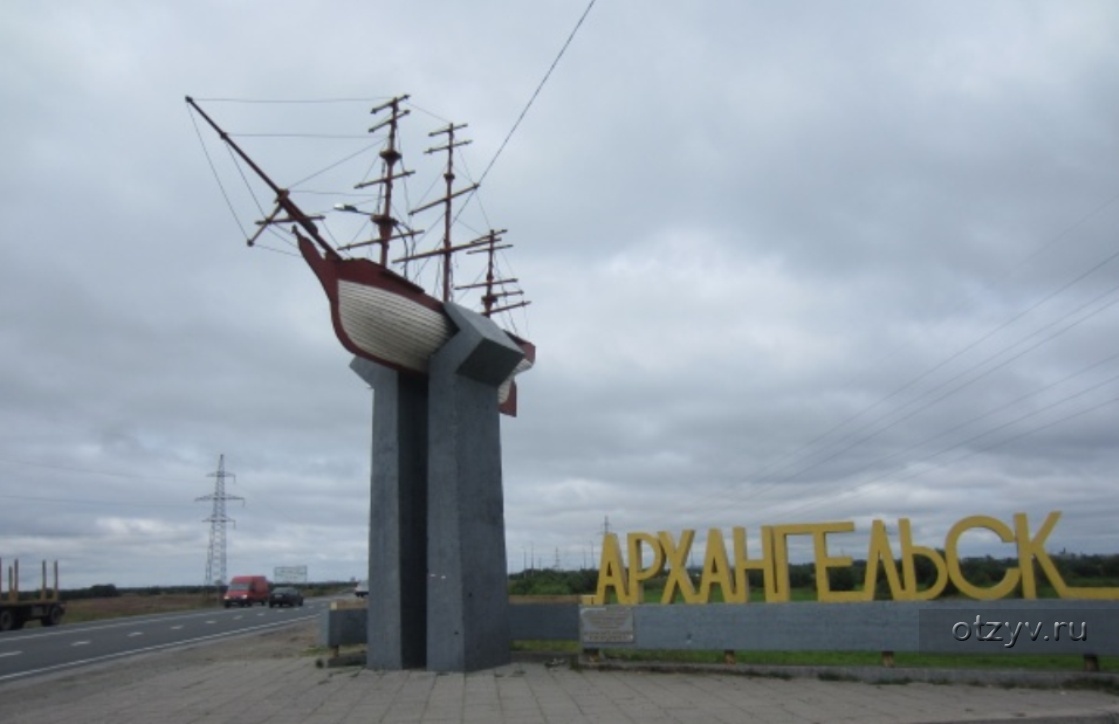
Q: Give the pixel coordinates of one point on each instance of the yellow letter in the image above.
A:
(880, 551)
(909, 573)
(743, 564)
(716, 571)
(1029, 549)
(1009, 580)
(781, 535)
(637, 574)
(677, 559)
(824, 562)
(611, 573)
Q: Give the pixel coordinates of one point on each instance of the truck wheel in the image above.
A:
(53, 617)
(7, 620)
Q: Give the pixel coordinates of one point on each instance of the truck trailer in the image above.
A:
(44, 606)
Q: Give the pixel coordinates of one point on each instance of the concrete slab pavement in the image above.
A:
(292, 689)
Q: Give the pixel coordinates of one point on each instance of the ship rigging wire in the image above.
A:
(214, 171)
(531, 100)
(539, 88)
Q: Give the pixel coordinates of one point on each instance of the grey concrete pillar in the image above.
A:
(397, 605)
(467, 594)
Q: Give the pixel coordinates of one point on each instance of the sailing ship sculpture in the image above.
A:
(379, 314)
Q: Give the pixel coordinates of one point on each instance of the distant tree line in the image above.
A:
(108, 590)
(553, 582)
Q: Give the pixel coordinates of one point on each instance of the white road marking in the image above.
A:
(176, 628)
(135, 633)
(10, 653)
(81, 643)
(211, 622)
(123, 654)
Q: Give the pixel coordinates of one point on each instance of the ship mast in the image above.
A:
(449, 178)
(491, 297)
(383, 219)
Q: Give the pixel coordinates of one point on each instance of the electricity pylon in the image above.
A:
(217, 521)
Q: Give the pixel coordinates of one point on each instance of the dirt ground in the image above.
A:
(96, 609)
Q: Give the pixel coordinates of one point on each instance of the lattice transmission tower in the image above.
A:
(215, 560)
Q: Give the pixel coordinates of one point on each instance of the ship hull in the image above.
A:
(381, 316)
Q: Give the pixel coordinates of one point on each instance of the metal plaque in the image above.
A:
(606, 625)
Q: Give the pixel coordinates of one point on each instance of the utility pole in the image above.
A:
(215, 559)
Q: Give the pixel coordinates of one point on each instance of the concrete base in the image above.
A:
(437, 566)
(397, 612)
(467, 589)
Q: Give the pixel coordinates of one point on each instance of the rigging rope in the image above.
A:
(291, 101)
(214, 170)
(538, 89)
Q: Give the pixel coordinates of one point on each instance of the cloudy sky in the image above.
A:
(788, 262)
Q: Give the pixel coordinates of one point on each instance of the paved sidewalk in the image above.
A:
(291, 689)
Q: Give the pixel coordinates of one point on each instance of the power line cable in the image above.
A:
(853, 490)
(91, 471)
(1007, 406)
(887, 423)
(86, 501)
(796, 455)
(971, 440)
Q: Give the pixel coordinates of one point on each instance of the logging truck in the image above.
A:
(16, 609)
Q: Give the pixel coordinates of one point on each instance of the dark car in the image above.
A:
(285, 597)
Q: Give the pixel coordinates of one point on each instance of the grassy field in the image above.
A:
(96, 609)
(1068, 663)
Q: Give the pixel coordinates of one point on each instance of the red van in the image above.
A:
(246, 590)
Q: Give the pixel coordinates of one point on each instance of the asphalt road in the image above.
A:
(32, 651)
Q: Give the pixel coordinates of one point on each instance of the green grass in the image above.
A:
(1069, 663)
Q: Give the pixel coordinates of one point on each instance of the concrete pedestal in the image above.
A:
(467, 586)
(437, 526)
(397, 608)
